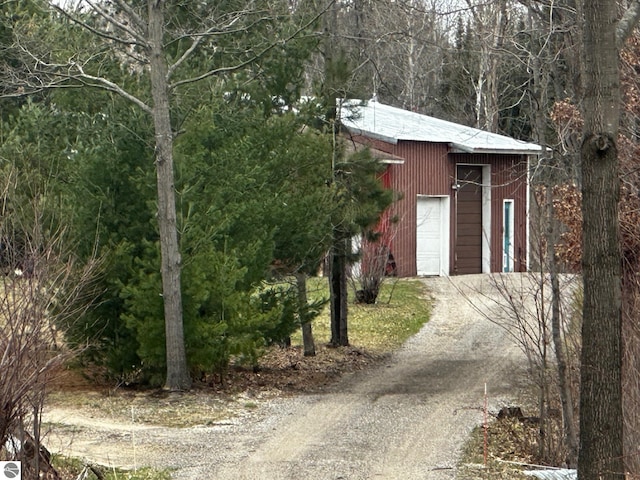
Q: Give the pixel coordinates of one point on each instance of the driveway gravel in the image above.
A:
(406, 418)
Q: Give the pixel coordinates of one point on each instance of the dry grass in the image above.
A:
(511, 447)
(375, 331)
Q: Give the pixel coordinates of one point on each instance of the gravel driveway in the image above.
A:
(405, 419)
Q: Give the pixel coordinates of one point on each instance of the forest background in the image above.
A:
(157, 160)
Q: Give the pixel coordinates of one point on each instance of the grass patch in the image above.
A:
(188, 409)
(72, 468)
(374, 331)
(402, 308)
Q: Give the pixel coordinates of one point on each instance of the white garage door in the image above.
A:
(432, 245)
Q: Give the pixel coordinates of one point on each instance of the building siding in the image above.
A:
(508, 181)
(430, 169)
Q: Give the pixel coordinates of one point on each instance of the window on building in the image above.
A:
(507, 236)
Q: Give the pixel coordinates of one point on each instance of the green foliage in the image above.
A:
(111, 189)
(359, 193)
(262, 183)
(282, 299)
(250, 190)
(251, 186)
(222, 319)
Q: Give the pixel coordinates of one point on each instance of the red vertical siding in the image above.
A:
(426, 171)
(429, 169)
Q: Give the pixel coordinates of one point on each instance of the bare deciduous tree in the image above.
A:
(42, 289)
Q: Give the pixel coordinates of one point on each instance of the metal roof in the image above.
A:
(390, 124)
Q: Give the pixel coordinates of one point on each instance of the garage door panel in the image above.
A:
(470, 207)
(467, 251)
(468, 195)
(468, 242)
(431, 239)
(473, 219)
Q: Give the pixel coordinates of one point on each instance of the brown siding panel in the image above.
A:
(508, 181)
(468, 228)
(426, 171)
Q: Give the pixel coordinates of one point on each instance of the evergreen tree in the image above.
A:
(167, 47)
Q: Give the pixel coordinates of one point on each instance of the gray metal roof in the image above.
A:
(390, 124)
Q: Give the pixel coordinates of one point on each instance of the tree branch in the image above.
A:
(61, 72)
(55, 71)
(196, 42)
(135, 18)
(210, 32)
(100, 82)
(136, 38)
(257, 56)
(112, 19)
(627, 23)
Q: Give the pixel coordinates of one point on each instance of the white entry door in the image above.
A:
(432, 236)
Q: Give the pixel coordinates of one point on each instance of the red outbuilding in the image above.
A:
(464, 192)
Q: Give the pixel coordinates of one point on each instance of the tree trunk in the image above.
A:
(540, 82)
(601, 441)
(309, 345)
(338, 260)
(177, 371)
(491, 22)
(566, 399)
(338, 293)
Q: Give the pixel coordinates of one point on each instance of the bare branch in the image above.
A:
(197, 39)
(628, 22)
(135, 18)
(136, 38)
(100, 82)
(112, 19)
(257, 56)
(196, 43)
(64, 72)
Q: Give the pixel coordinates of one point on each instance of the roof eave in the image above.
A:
(373, 135)
(454, 147)
(461, 148)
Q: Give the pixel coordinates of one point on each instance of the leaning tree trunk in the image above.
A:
(540, 82)
(178, 377)
(601, 436)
